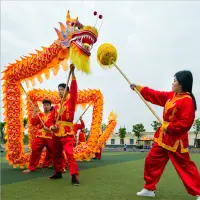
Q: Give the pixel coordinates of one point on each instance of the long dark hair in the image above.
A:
(185, 78)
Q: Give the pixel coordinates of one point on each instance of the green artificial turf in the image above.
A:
(117, 176)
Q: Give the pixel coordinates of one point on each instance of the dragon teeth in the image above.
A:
(84, 37)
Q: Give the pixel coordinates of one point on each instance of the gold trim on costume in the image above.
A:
(44, 133)
(160, 143)
(61, 131)
(139, 88)
(164, 126)
(63, 107)
(171, 103)
(183, 150)
(174, 148)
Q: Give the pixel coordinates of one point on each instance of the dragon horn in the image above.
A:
(62, 27)
(59, 34)
(68, 17)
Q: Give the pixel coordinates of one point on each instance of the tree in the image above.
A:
(155, 125)
(25, 140)
(2, 128)
(25, 122)
(122, 133)
(138, 129)
(87, 132)
(103, 127)
(196, 127)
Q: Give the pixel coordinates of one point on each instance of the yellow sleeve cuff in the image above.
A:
(139, 88)
(164, 126)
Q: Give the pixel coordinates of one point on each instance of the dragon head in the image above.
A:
(79, 39)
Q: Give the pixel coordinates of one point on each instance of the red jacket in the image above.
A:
(82, 137)
(67, 114)
(178, 117)
(36, 122)
(77, 127)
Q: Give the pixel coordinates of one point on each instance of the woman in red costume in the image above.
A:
(171, 139)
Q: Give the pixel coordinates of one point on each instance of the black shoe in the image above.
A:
(75, 180)
(57, 175)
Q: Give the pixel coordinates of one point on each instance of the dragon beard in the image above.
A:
(79, 59)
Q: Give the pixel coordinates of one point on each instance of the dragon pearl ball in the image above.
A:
(106, 54)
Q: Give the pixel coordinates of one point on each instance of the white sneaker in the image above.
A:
(146, 193)
(198, 197)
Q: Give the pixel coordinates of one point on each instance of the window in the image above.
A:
(147, 143)
(131, 141)
(121, 141)
(112, 141)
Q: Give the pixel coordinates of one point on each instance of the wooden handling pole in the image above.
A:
(83, 113)
(135, 89)
(32, 103)
(67, 83)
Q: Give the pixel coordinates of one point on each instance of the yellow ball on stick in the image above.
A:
(106, 57)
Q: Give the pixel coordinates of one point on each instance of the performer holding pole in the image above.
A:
(61, 123)
(77, 127)
(81, 136)
(42, 139)
(81, 127)
(171, 139)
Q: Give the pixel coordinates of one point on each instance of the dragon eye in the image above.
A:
(78, 28)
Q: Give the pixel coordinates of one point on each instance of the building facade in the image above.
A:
(145, 139)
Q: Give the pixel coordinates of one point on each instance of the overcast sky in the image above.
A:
(154, 40)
